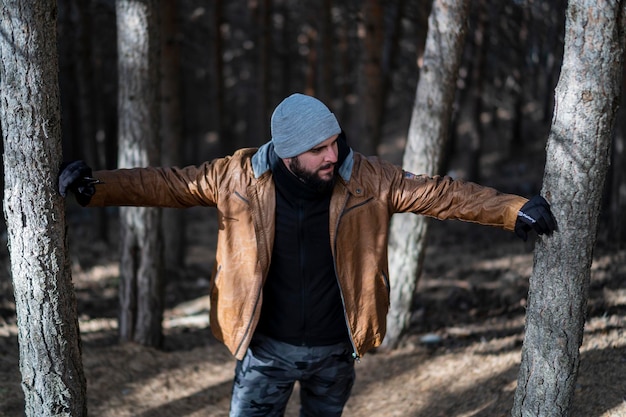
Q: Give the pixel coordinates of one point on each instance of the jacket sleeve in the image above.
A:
(444, 198)
(160, 187)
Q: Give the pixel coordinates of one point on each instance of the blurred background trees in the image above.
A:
(238, 59)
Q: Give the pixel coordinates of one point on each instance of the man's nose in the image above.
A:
(332, 154)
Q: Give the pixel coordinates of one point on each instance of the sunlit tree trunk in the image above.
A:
(141, 269)
(428, 133)
(586, 101)
(50, 352)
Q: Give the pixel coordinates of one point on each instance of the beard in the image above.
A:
(312, 178)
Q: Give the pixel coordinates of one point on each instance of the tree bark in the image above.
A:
(586, 101)
(50, 353)
(428, 133)
(171, 131)
(141, 269)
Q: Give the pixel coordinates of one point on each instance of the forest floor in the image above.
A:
(471, 296)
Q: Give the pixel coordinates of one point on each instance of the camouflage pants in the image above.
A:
(265, 377)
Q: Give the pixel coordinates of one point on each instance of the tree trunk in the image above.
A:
(171, 131)
(310, 84)
(67, 34)
(476, 88)
(105, 78)
(577, 159)
(428, 133)
(219, 86)
(81, 19)
(391, 49)
(287, 47)
(344, 90)
(257, 86)
(326, 48)
(50, 353)
(85, 114)
(141, 275)
(549, 47)
(372, 79)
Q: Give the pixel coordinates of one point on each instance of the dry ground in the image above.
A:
(472, 296)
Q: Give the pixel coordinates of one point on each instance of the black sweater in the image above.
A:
(301, 300)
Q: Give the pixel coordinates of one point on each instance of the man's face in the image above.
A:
(316, 167)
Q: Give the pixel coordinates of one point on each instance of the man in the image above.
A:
(300, 288)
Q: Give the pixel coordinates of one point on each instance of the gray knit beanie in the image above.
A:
(299, 123)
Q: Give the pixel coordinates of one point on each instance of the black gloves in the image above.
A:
(535, 215)
(76, 177)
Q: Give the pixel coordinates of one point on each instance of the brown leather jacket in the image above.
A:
(367, 193)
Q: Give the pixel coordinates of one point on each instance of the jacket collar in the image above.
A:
(261, 162)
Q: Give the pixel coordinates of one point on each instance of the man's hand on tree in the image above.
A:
(535, 215)
(76, 177)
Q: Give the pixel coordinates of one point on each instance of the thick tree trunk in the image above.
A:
(48, 333)
(586, 101)
(141, 269)
(428, 133)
